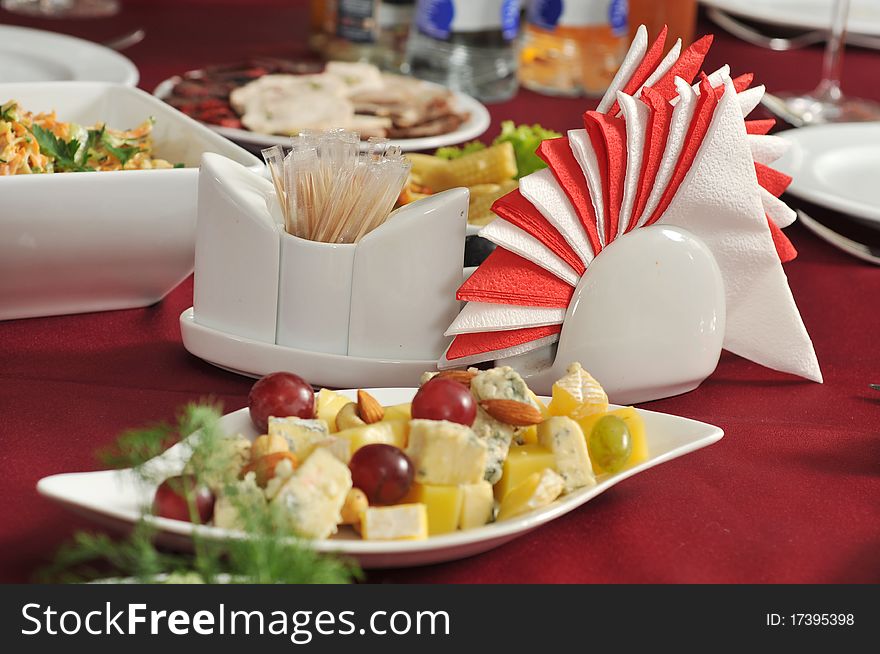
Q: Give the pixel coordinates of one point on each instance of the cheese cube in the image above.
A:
(502, 383)
(443, 504)
(392, 433)
(446, 453)
(236, 501)
(564, 437)
(522, 461)
(477, 505)
(301, 435)
(636, 430)
(338, 447)
(327, 405)
(398, 412)
(538, 490)
(312, 499)
(399, 522)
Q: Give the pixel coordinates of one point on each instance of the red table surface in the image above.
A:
(791, 494)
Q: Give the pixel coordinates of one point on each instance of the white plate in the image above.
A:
(477, 123)
(256, 358)
(836, 166)
(114, 497)
(864, 16)
(28, 55)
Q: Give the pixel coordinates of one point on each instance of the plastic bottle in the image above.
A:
(467, 45)
(573, 47)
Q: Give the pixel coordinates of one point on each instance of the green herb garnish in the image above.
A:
(63, 153)
(179, 165)
(122, 152)
(269, 554)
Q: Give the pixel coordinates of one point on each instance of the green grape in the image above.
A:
(610, 444)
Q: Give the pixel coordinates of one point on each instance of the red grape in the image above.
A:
(280, 394)
(170, 500)
(384, 472)
(445, 399)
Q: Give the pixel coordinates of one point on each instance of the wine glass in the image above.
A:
(826, 104)
(62, 8)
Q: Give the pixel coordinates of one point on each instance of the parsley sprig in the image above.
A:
(62, 152)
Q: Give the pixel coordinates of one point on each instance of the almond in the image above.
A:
(512, 412)
(461, 376)
(368, 408)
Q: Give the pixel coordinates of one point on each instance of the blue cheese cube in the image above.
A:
(502, 383)
(446, 453)
(236, 501)
(565, 438)
(301, 435)
(311, 501)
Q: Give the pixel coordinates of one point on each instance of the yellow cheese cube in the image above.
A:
(400, 429)
(443, 504)
(538, 490)
(477, 505)
(378, 432)
(545, 411)
(528, 435)
(327, 405)
(338, 447)
(636, 430)
(398, 522)
(398, 412)
(577, 394)
(522, 461)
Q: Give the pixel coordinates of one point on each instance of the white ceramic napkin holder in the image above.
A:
(647, 319)
(390, 296)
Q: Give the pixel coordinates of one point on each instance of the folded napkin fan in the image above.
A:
(658, 149)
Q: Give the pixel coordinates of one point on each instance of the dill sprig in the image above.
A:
(263, 553)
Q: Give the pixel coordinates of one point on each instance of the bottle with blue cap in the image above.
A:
(467, 45)
(573, 47)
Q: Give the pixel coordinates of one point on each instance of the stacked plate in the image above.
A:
(836, 169)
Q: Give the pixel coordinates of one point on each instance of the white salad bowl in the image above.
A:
(94, 241)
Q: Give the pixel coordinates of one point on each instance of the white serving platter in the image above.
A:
(836, 166)
(478, 122)
(115, 498)
(29, 55)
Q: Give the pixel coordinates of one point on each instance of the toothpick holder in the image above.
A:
(389, 296)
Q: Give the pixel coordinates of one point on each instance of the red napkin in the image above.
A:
(516, 210)
(557, 154)
(507, 278)
(465, 345)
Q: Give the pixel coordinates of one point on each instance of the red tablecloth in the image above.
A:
(791, 494)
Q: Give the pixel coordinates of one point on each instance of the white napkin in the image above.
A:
(763, 322)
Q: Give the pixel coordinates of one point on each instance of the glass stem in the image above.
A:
(829, 88)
